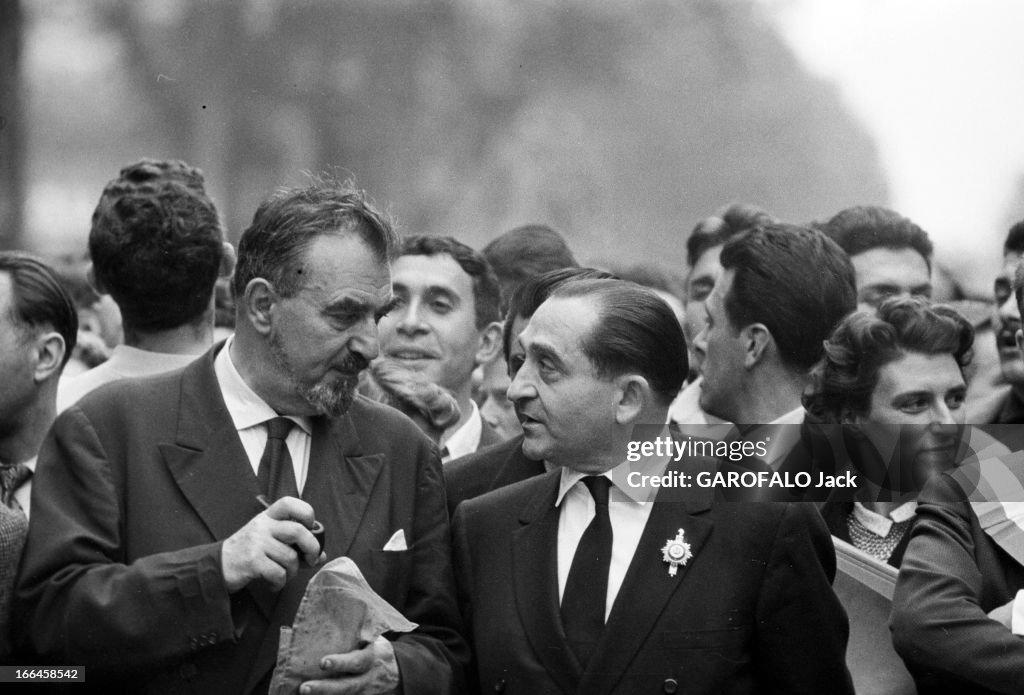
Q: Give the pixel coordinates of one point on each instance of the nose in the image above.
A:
(365, 340)
(522, 386)
(410, 320)
(942, 416)
(1008, 308)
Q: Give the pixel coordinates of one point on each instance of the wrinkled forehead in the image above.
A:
(561, 324)
(898, 267)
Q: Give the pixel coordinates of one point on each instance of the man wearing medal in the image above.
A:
(578, 581)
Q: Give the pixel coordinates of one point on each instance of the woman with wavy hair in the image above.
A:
(894, 378)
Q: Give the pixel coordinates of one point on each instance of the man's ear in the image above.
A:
(94, 282)
(258, 301)
(633, 395)
(757, 341)
(227, 261)
(489, 346)
(49, 349)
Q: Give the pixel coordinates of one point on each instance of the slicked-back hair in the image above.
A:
(40, 301)
(866, 341)
(726, 223)
(635, 333)
(865, 227)
(531, 294)
(486, 292)
(526, 252)
(287, 222)
(1014, 239)
(156, 244)
(795, 281)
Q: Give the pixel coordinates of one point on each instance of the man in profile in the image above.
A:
(602, 583)
(154, 563)
(157, 248)
(1007, 324)
(505, 463)
(38, 328)
(782, 290)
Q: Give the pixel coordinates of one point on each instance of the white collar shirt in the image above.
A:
(466, 439)
(248, 413)
(628, 509)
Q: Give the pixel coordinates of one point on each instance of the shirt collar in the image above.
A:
(466, 439)
(246, 408)
(793, 417)
(620, 476)
(880, 525)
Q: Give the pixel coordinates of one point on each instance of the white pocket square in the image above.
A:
(397, 541)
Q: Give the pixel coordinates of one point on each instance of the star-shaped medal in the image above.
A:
(675, 553)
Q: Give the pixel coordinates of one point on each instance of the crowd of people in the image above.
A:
(461, 424)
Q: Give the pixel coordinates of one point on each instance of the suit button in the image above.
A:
(499, 686)
(670, 686)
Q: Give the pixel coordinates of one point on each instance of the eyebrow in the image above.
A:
(541, 351)
(429, 290)
(351, 305)
(909, 395)
(446, 292)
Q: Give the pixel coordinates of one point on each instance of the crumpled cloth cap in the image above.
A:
(338, 613)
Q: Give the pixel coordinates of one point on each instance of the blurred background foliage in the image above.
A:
(620, 123)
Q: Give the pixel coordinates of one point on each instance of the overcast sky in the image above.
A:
(939, 84)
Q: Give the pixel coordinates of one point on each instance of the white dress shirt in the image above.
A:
(466, 439)
(248, 412)
(23, 495)
(628, 508)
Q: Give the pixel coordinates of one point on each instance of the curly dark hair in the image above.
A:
(156, 244)
(865, 341)
(486, 290)
(865, 227)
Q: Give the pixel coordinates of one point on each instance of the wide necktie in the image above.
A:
(583, 601)
(276, 475)
(11, 478)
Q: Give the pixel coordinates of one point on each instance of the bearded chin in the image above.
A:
(332, 400)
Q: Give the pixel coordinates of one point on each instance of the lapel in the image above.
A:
(338, 486)
(210, 465)
(535, 580)
(341, 480)
(648, 586)
(206, 457)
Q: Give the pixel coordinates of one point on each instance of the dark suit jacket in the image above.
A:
(952, 575)
(136, 489)
(488, 469)
(752, 611)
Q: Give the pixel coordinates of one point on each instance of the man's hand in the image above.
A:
(372, 670)
(263, 547)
